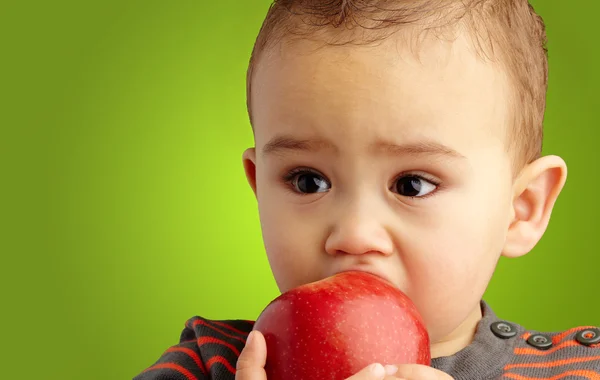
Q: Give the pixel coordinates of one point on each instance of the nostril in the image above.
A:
(366, 237)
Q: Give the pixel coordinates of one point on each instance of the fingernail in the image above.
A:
(250, 337)
(377, 370)
(391, 369)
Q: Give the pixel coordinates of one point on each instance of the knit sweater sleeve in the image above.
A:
(207, 349)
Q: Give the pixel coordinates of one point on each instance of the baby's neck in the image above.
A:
(460, 338)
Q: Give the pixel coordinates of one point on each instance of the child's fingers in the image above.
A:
(373, 372)
(420, 372)
(251, 362)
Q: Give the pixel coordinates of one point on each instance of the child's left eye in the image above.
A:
(413, 186)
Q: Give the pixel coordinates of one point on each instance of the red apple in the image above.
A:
(333, 328)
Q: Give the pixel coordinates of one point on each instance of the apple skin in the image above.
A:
(332, 328)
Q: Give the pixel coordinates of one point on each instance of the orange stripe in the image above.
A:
(230, 327)
(201, 322)
(590, 375)
(555, 363)
(533, 351)
(562, 335)
(209, 339)
(191, 354)
(222, 360)
(174, 367)
(526, 335)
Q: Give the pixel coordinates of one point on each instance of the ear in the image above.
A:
(249, 160)
(535, 193)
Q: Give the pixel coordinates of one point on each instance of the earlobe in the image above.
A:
(536, 192)
(249, 160)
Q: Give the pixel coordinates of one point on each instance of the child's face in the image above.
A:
(371, 127)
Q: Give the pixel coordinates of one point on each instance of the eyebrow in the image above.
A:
(283, 144)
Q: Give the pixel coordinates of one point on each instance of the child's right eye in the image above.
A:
(307, 181)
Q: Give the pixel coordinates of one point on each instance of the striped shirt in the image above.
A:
(208, 349)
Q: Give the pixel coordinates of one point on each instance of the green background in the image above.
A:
(125, 207)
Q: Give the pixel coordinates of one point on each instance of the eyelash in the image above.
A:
(294, 172)
(289, 177)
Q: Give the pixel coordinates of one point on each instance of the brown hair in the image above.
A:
(507, 30)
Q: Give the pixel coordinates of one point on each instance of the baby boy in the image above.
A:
(401, 138)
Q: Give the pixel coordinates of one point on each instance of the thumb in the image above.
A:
(372, 372)
(251, 362)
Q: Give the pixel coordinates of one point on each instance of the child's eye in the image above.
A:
(414, 186)
(307, 181)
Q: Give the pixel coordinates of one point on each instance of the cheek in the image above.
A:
(468, 238)
(450, 283)
(456, 256)
(291, 244)
(473, 222)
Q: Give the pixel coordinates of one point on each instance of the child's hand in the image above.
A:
(252, 359)
(420, 372)
(251, 362)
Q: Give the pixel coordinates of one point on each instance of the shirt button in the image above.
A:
(540, 341)
(503, 329)
(588, 337)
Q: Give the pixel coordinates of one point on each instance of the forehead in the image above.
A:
(356, 94)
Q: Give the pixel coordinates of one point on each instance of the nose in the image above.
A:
(358, 234)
